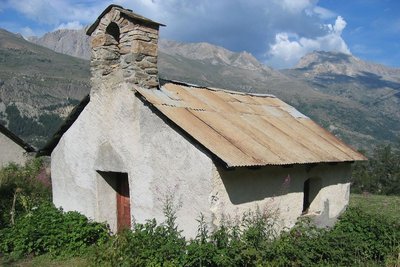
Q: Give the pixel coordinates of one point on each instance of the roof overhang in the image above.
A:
(28, 148)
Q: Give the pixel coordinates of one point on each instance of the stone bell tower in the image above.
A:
(123, 49)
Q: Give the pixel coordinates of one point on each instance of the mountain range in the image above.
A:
(356, 100)
(38, 87)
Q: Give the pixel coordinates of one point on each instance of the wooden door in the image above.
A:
(123, 202)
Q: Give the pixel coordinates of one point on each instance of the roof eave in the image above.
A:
(291, 163)
(27, 147)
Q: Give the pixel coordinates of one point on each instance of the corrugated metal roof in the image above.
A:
(248, 130)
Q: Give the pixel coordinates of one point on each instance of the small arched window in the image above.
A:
(113, 30)
(311, 188)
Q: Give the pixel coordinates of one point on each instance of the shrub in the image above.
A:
(147, 244)
(380, 174)
(150, 244)
(357, 238)
(363, 237)
(49, 230)
(20, 190)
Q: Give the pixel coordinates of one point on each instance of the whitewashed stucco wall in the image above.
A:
(11, 152)
(334, 195)
(279, 192)
(117, 132)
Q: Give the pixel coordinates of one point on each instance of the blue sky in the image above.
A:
(277, 32)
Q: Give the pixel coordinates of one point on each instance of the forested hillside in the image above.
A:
(357, 101)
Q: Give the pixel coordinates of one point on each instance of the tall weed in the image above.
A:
(20, 190)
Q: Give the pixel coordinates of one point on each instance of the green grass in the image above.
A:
(388, 206)
(47, 261)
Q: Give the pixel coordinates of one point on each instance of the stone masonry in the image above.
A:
(126, 47)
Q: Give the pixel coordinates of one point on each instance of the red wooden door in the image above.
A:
(123, 202)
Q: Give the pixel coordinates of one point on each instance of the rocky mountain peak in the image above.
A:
(71, 42)
(321, 62)
(38, 87)
(196, 51)
(213, 54)
(76, 43)
(247, 61)
(323, 57)
(11, 40)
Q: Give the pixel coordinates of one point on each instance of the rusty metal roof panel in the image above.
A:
(204, 133)
(245, 129)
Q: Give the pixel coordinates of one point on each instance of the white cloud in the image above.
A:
(72, 25)
(323, 13)
(289, 48)
(295, 6)
(251, 25)
(339, 26)
(53, 12)
(26, 32)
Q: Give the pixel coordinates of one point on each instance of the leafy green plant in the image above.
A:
(357, 238)
(381, 174)
(20, 190)
(47, 229)
(147, 244)
(201, 251)
(369, 237)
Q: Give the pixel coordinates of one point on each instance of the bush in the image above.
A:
(364, 237)
(49, 230)
(150, 244)
(20, 190)
(357, 238)
(147, 244)
(380, 174)
(231, 244)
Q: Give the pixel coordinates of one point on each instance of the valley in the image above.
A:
(357, 101)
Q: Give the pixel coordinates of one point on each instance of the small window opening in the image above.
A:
(311, 189)
(306, 196)
(113, 30)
